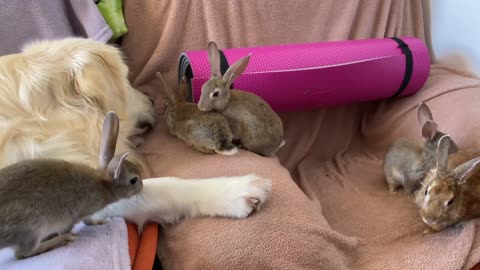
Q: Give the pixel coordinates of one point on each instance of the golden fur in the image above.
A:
(54, 96)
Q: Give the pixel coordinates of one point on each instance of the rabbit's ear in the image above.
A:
(115, 166)
(182, 89)
(465, 170)
(236, 70)
(166, 89)
(424, 114)
(442, 155)
(214, 58)
(109, 139)
(429, 129)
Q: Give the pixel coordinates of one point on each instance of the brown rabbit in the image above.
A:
(42, 199)
(253, 122)
(406, 163)
(450, 193)
(207, 132)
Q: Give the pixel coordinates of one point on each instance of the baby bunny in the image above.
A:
(207, 132)
(42, 199)
(450, 194)
(254, 124)
(406, 163)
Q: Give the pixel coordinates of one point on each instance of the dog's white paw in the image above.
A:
(244, 195)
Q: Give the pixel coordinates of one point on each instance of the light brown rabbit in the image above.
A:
(254, 124)
(207, 132)
(406, 162)
(42, 199)
(450, 193)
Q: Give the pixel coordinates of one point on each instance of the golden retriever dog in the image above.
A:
(54, 96)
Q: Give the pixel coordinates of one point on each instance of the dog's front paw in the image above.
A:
(245, 195)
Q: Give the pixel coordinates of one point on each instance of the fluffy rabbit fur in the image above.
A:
(450, 193)
(53, 98)
(207, 132)
(254, 124)
(41, 198)
(406, 163)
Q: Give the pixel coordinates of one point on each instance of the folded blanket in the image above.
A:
(22, 21)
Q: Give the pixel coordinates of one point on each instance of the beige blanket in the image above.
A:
(330, 207)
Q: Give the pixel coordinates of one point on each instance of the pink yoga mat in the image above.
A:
(300, 77)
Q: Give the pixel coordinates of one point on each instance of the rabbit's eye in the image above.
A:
(215, 94)
(449, 202)
(426, 192)
(134, 180)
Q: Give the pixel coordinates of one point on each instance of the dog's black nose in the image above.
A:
(151, 100)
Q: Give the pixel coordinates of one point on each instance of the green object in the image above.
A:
(112, 12)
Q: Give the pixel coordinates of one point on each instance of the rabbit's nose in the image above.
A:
(152, 101)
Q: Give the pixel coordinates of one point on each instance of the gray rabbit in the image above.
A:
(406, 163)
(42, 199)
(254, 124)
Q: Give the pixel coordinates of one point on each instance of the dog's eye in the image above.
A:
(215, 94)
(134, 180)
(449, 202)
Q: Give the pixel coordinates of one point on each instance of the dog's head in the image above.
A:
(73, 82)
(85, 73)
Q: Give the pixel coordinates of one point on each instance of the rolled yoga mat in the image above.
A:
(300, 77)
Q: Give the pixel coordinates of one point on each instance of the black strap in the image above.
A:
(408, 65)
(223, 64)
